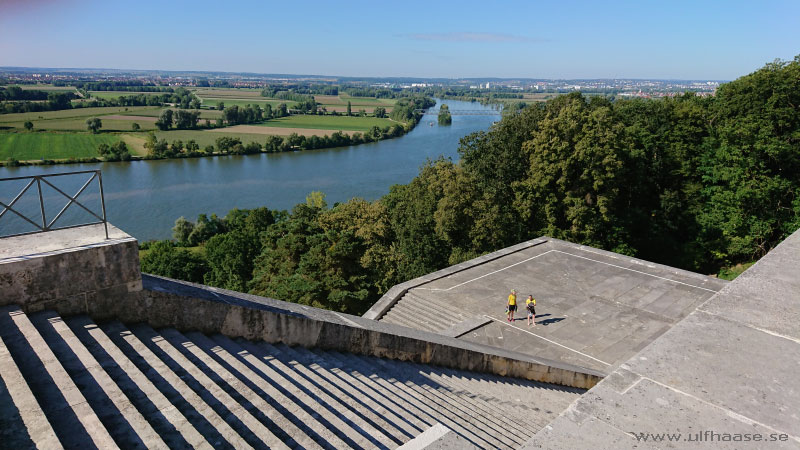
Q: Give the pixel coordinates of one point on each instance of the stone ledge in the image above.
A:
(186, 307)
(438, 437)
(465, 326)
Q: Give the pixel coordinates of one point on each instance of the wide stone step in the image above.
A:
(439, 317)
(23, 424)
(423, 316)
(213, 427)
(317, 423)
(340, 369)
(72, 419)
(376, 415)
(408, 394)
(468, 395)
(123, 421)
(406, 319)
(489, 428)
(441, 308)
(249, 390)
(539, 402)
(206, 377)
(359, 434)
(173, 427)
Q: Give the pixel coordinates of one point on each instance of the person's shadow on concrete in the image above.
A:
(549, 321)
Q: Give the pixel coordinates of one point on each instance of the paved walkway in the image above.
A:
(725, 377)
(594, 309)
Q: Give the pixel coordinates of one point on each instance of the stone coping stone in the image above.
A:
(438, 437)
(167, 302)
(465, 326)
(29, 246)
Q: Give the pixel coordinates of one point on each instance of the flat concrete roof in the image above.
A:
(29, 245)
(595, 309)
(724, 377)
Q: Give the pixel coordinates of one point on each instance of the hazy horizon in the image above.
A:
(570, 40)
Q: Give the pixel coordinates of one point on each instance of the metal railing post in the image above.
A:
(41, 203)
(103, 202)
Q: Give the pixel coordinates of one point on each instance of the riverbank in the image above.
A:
(56, 138)
(145, 197)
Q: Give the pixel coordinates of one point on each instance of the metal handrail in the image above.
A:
(73, 199)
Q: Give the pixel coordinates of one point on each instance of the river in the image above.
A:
(145, 197)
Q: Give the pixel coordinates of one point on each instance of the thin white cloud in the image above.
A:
(471, 37)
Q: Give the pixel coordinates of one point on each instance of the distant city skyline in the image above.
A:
(570, 40)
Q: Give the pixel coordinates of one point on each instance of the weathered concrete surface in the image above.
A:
(65, 270)
(438, 437)
(595, 309)
(730, 367)
(396, 292)
(190, 307)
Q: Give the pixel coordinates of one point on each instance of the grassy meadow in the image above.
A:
(260, 101)
(51, 145)
(63, 135)
(328, 122)
(117, 94)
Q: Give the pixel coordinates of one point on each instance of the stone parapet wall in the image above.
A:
(67, 270)
(189, 307)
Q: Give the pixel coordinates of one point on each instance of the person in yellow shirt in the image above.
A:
(530, 304)
(512, 305)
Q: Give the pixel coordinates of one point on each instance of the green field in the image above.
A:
(260, 101)
(328, 122)
(42, 87)
(79, 124)
(204, 113)
(44, 145)
(204, 138)
(72, 113)
(227, 93)
(117, 94)
(354, 101)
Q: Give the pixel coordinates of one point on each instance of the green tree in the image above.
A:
(162, 258)
(94, 124)
(182, 229)
(349, 108)
(185, 120)
(135, 126)
(164, 121)
(28, 125)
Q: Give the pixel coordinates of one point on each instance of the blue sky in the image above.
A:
(532, 39)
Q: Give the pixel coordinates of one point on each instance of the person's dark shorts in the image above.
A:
(532, 311)
(512, 308)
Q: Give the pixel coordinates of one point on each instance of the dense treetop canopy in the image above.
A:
(693, 182)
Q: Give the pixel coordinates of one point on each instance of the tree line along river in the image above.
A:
(144, 198)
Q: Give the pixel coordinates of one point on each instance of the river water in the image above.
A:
(144, 198)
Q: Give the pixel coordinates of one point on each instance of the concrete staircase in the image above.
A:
(424, 314)
(71, 383)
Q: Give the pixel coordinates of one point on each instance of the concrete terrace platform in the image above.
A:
(725, 377)
(59, 241)
(595, 309)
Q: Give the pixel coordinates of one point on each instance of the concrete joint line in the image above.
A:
(347, 321)
(753, 327)
(548, 340)
(728, 412)
(487, 274)
(634, 270)
(565, 253)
